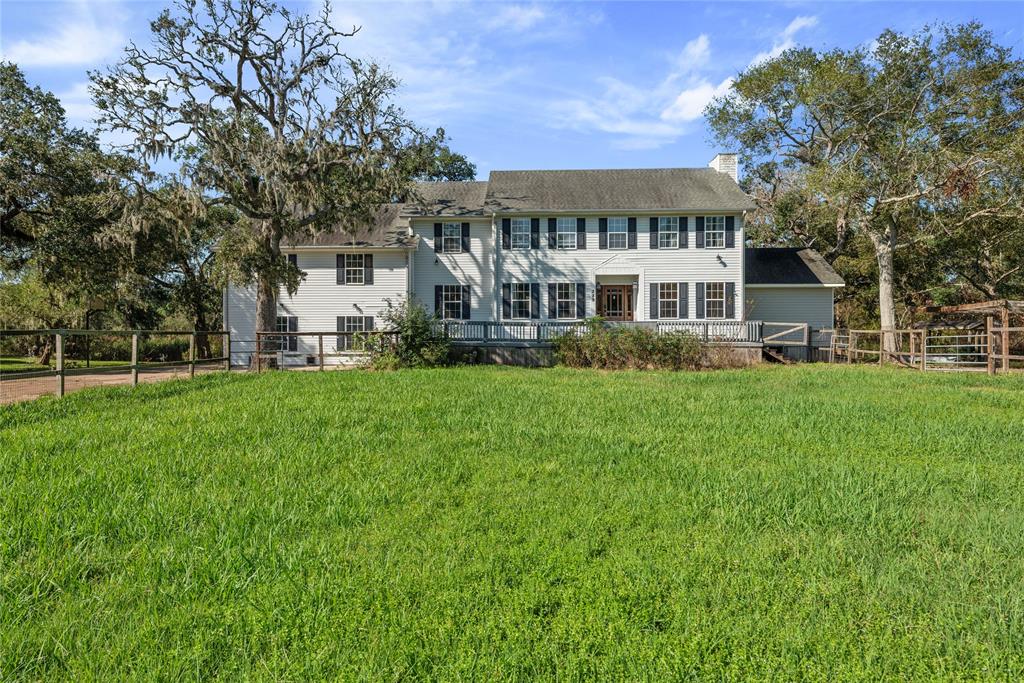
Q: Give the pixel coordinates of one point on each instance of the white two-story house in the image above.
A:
(541, 246)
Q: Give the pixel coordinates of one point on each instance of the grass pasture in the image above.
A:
(786, 523)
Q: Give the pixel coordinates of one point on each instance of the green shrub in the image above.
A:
(622, 347)
(418, 344)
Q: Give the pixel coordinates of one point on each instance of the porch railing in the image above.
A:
(714, 331)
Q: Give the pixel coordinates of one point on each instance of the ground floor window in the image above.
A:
(520, 297)
(451, 302)
(286, 323)
(714, 300)
(353, 324)
(668, 300)
(565, 300)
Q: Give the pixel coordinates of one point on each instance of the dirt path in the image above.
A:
(13, 389)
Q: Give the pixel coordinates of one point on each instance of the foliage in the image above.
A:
(417, 344)
(885, 148)
(621, 347)
(781, 522)
(433, 160)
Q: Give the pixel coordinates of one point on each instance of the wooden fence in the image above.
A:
(941, 349)
(281, 349)
(62, 368)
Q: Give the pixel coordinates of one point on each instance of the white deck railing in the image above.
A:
(720, 331)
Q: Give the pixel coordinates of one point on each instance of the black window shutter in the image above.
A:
(465, 238)
(339, 342)
(700, 300)
(535, 300)
(437, 237)
(602, 233)
(730, 232)
(730, 300)
(684, 233)
(506, 300)
(552, 228)
(293, 326)
(631, 228)
(339, 267)
(438, 311)
(581, 233)
(465, 301)
(700, 233)
(293, 259)
(552, 300)
(368, 269)
(684, 300)
(654, 232)
(581, 300)
(506, 233)
(654, 301)
(367, 322)
(535, 233)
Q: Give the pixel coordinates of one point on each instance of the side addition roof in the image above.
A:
(631, 189)
(448, 198)
(388, 229)
(789, 266)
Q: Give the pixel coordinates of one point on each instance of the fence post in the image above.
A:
(924, 348)
(851, 347)
(226, 343)
(59, 340)
(259, 354)
(192, 354)
(135, 359)
(1004, 323)
(320, 344)
(807, 341)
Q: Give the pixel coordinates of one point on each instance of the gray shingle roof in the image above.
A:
(788, 266)
(643, 189)
(448, 198)
(388, 229)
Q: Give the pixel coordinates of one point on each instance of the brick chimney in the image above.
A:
(726, 162)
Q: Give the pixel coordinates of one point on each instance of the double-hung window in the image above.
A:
(287, 323)
(520, 233)
(714, 300)
(668, 232)
(565, 300)
(354, 269)
(520, 296)
(451, 302)
(617, 228)
(451, 238)
(668, 300)
(714, 232)
(566, 233)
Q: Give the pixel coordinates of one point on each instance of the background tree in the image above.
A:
(880, 139)
(267, 115)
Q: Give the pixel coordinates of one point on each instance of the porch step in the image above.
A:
(775, 356)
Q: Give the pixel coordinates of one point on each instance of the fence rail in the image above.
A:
(283, 349)
(938, 349)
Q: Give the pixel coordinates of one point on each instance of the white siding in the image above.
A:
(475, 268)
(319, 300)
(811, 305)
(648, 265)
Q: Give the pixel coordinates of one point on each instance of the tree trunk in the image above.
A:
(885, 244)
(266, 288)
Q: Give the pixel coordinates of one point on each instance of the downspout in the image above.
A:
(495, 284)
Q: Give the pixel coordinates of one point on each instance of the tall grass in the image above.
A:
(477, 523)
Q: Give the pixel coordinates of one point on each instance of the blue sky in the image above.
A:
(531, 84)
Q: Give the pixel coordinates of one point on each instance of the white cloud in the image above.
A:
(785, 40)
(79, 39)
(78, 104)
(690, 103)
(517, 18)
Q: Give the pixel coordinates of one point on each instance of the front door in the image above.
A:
(616, 302)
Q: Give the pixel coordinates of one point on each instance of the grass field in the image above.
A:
(477, 523)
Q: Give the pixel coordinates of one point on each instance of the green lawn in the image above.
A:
(10, 365)
(825, 523)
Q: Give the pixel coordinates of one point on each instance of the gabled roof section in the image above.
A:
(639, 189)
(388, 229)
(789, 266)
(448, 198)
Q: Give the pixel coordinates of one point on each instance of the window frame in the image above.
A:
(524, 234)
(666, 299)
(719, 232)
(517, 296)
(619, 222)
(446, 239)
(451, 295)
(570, 300)
(286, 344)
(668, 226)
(708, 300)
(564, 228)
(355, 275)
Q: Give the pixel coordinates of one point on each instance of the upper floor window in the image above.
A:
(714, 232)
(520, 296)
(566, 233)
(451, 302)
(617, 228)
(354, 269)
(293, 259)
(520, 233)
(668, 232)
(565, 300)
(451, 238)
(668, 300)
(714, 300)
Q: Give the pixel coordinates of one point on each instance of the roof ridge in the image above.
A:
(603, 170)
